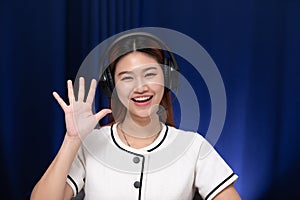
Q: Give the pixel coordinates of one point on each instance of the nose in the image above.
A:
(141, 86)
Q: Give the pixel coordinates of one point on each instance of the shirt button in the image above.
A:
(137, 184)
(136, 159)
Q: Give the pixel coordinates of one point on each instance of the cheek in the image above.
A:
(158, 85)
(158, 88)
(123, 92)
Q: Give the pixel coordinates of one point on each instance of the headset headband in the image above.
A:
(162, 46)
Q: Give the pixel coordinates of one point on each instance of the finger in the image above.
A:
(60, 101)
(92, 91)
(81, 89)
(102, 113)
(70, 92)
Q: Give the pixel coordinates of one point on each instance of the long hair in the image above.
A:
(150, 47)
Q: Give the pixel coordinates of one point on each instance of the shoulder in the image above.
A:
(98, 136)
(97, 132)
(191, 140)
(177, 132)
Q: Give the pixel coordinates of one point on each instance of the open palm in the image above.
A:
(79, 117)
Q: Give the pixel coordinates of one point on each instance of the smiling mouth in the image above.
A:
(142, 99)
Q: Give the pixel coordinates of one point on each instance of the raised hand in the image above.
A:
(79, 117)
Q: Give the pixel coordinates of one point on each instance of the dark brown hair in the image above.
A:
(146, 45)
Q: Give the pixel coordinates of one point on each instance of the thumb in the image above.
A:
(102, 113)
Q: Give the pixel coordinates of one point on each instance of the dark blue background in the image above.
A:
(254, 43)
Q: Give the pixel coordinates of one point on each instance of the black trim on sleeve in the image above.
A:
(219, 186)
(74, 183)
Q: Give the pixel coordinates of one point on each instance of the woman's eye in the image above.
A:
(126, 78)
(150, 75)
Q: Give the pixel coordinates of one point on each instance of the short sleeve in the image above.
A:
(76, 174)
(212, 172)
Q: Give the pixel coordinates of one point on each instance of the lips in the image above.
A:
(141, 99)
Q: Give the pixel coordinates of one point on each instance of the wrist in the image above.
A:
(72, 138)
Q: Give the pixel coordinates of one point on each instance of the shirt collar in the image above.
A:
(155, 145)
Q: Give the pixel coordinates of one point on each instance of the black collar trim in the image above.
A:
(166, 132)
(149, 150)
(114, 140)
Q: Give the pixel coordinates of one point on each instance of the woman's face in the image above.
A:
(139, 83)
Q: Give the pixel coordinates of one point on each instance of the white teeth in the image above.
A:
(142, 98)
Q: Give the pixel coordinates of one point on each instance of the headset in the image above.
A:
(170, 67)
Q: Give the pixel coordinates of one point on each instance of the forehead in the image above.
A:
(135, 60)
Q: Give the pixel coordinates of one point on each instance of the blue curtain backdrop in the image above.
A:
(254, 43)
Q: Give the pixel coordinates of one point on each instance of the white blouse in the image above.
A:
(173, 167)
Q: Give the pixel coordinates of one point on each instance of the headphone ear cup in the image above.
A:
(166, 71)
(170, 75)
(106, 83)
(173, 76)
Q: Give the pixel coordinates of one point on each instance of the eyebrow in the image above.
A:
(124, 72)
(130, 72)
(149, 68)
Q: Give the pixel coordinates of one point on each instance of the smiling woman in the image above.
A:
(133, 156)
(138, 52)
(140, 87)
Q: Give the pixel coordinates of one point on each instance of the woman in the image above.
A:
(136, 156)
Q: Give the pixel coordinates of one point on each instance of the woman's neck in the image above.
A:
(141, 127)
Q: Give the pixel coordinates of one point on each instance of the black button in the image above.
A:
(137, 184)
(136, 159)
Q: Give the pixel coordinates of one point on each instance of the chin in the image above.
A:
(142, 113)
